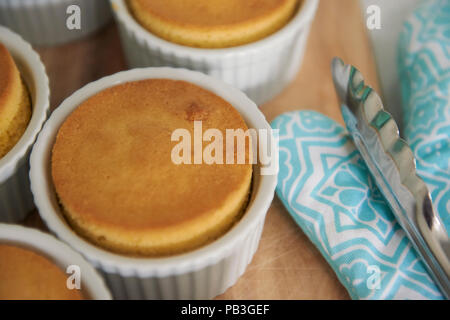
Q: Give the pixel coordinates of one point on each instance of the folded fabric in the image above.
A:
(424, 69)
(326, 187)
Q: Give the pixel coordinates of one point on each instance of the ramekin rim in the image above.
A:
(305, 12)
(10, 162)
(192, 260)
(53, 248)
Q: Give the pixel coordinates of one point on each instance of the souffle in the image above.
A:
(212, 23)
(27, 275)
(116, 180)
(15, 104)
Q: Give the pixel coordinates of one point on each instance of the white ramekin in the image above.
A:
(92, 285)
(44, 22)
(261, 69)
(199, 274)
(16, 199)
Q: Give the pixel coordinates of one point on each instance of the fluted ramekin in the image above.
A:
(92, 285)
(261, 69)
(44, 22)
(16, 199)
(199, 274)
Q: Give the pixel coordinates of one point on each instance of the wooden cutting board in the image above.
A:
(286, 265)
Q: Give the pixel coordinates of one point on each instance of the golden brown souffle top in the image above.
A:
(213, 23)
(15, 103)
(113, 172)
(27, 275)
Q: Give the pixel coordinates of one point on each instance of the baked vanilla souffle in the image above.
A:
(15, 103)
(115, 179)
(213, 23)
(28, 275)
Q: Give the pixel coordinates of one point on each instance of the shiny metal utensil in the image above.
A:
(392, 165)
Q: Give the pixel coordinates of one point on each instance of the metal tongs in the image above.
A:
(392, 165)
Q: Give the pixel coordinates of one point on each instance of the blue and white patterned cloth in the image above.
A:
(424, 68)
(327, 188)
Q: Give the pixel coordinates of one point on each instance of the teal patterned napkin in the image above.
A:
(424, 68)
(327, 188)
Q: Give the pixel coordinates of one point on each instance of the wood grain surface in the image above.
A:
(286, 265)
